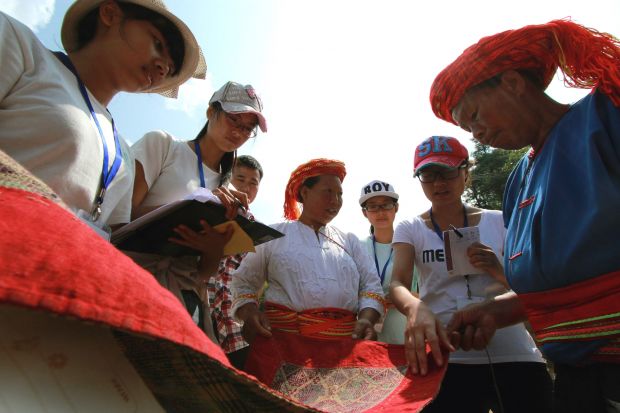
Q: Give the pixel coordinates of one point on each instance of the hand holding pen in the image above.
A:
(232, 200)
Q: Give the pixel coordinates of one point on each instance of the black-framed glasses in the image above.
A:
(236, 123)
(379, 207)
(446, 175)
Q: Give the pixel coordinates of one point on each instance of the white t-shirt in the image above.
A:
(443, 293)
(306, 272)
(47, 127)
(170, 168)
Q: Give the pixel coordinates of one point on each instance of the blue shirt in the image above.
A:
(562, 209)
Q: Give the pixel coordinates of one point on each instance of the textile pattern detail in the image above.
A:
(348, 389)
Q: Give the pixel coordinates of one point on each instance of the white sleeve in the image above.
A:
(404, 233)
(248, 279)
(370, 289)
(151, 151)
(12, 59)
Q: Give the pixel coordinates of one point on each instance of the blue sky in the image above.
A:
(344, 79)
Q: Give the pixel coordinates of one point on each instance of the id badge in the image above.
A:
(463, 301)
(100, 228)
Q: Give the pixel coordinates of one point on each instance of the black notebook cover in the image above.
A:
(152, 236)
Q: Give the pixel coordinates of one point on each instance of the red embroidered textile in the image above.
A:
(323, 323)
(342, 375)
(588, 59)
(50, 261)
(587, 310)
(315, 167)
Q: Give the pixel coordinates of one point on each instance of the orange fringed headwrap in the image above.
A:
(315, 167)
(587, 58)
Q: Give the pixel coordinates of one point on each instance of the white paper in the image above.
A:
(455, 247)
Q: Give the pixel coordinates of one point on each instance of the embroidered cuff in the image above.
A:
(241, 300)
(374, 296)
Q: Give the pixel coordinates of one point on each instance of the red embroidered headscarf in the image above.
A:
(315, 167)
(588, 59)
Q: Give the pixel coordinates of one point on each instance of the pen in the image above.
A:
(239, 204)
(456, 231)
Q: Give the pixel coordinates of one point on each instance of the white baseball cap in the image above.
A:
(237, 98)
(377, 188)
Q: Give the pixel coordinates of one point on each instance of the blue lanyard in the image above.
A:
(382, 273)
(107, 175)
(200, 171)
(436, 227)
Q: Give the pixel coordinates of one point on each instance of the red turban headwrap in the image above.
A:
(588, 59)
(315, 167)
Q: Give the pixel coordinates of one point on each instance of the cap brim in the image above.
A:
(444, 161)
(232, 107)
(194, 64)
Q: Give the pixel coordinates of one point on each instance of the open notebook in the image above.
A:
(150, 232)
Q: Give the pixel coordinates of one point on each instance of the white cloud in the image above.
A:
(34, 14)
(193, 97)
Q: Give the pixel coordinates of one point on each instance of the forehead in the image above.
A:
(465, 105)
(378, 200)
(435, 168)
(244, 171)
(331, 181)
(246, 117)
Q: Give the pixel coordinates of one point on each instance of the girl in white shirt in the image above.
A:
(168, 169)
(379, 202)
(518, 380)
(53, 105)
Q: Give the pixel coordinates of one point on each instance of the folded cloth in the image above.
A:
(54, 264)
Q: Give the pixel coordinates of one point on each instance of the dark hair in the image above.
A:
(530, 75)
(310, 182)
(229, 158)
(250, 162)
(87, 27)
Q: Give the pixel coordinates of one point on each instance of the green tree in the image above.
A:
(489, 174)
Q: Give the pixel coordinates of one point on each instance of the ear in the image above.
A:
(210, 112)
(513, 82)
(110, 13)
(303, 193)
(396, 207)
(364, 212)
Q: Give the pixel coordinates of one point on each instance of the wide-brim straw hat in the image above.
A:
(194, 64)
(53, 264)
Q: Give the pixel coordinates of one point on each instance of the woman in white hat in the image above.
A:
(379, 202)
(168, 169)
(53, 105)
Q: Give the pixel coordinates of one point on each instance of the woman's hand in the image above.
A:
(364, 330)
(365, 325)
(232, 200)
(423, 327)
(208, 241)
(474, 325)
(254, 322)
(484, 258)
